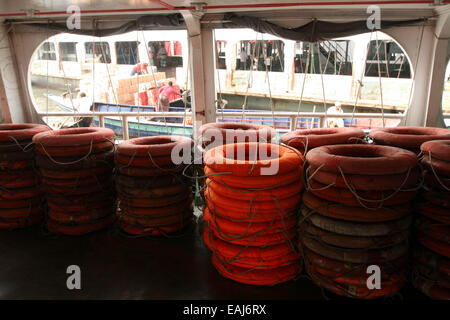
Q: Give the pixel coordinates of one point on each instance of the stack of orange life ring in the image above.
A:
(155, 198)
(251, 211)
(432, 254)
(409, 138)
(305, 140)
(357, 213)
(20, 194)
(234, 132)
(76, 167)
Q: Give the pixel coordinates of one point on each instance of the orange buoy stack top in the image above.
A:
(410, 138)
(155, 197)
(305, 140)
(21, 202)
(431, 272)
(252, 194)
(76, 166)
(357, 213)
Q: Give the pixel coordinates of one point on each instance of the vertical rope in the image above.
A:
(323, 86)
(268, 82)
(252, 62)
(379, 77)
(304, 81)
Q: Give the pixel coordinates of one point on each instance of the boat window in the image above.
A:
(387, 59)
(336, 57)
(97, 51)
(46, 51)
(165, 54)
(220, 49)
(266, 55)
(68, 51)
(127, 52)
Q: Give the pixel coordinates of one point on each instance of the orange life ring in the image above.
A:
(80, 229)
(20, 131)
(437, 198)
(280, 192)
(358, 214)
(265, 277)
(19, 213)
(158, 211)
(362, 159)
(156, 146)
(435, 212)
(358, 229)
(234, 132)
(440, 167)
(312, 138)
(255, 182)
(408, 137)
(431, 289)
(439, 149)
(17, 223)
(248, 229)
(250, 257)
(20, 194)
(73, 151)
(153, 193)
(378, 182)
(351, 242)
(151, 221)
(248, 212)
(149, 172)
(24, 203)
(279, 158)
(437, 246)
(103, 159)
(73, 137)
(371, 199)
(256, 240)
(364, 256)
(75, 174)
(244, 206)
(154, 202)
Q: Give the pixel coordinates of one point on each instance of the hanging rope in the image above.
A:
(323, 86)
(268, 82)
(304, 81)
(216, 52)
(379, 77)
(252, 63)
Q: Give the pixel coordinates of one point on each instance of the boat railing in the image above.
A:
(295, 119)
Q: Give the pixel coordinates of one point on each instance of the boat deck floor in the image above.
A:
(33, 266)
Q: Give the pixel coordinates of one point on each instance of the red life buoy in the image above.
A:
(431, 288)
(156, 146)
(357, 228)
(408, 137)
(143, 161)
(433, 260)
(437, 246)
(312, 138)
(152, 193)
(20, 179)
(351, 242)
(435, 212)
(20, 194)
(152, 221)
(438, 198)
(439, 149)
(405, 180)
(269, 194)
(440, 167)
(75, 163)
(78, 190)
(362, 159)
(13, 156)
(258, 276)
(370, 199)
(75, 174)
(149, 172)
(250, 257)
(20, 131)
(255, 182)
(149, 182)
(81, 217)
(252, 159)
(19, 213)
(25, 203)
(156, 202)
(16, 223)
(358, 214)
(433, 229)
(184, 205)
(68, 151)
(73, 137)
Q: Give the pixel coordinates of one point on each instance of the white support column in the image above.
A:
(10, 78)
(202, 69)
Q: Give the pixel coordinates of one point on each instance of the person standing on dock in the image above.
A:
(335, 122)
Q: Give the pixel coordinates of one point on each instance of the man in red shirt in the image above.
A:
(140, 68)
(167, 94)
